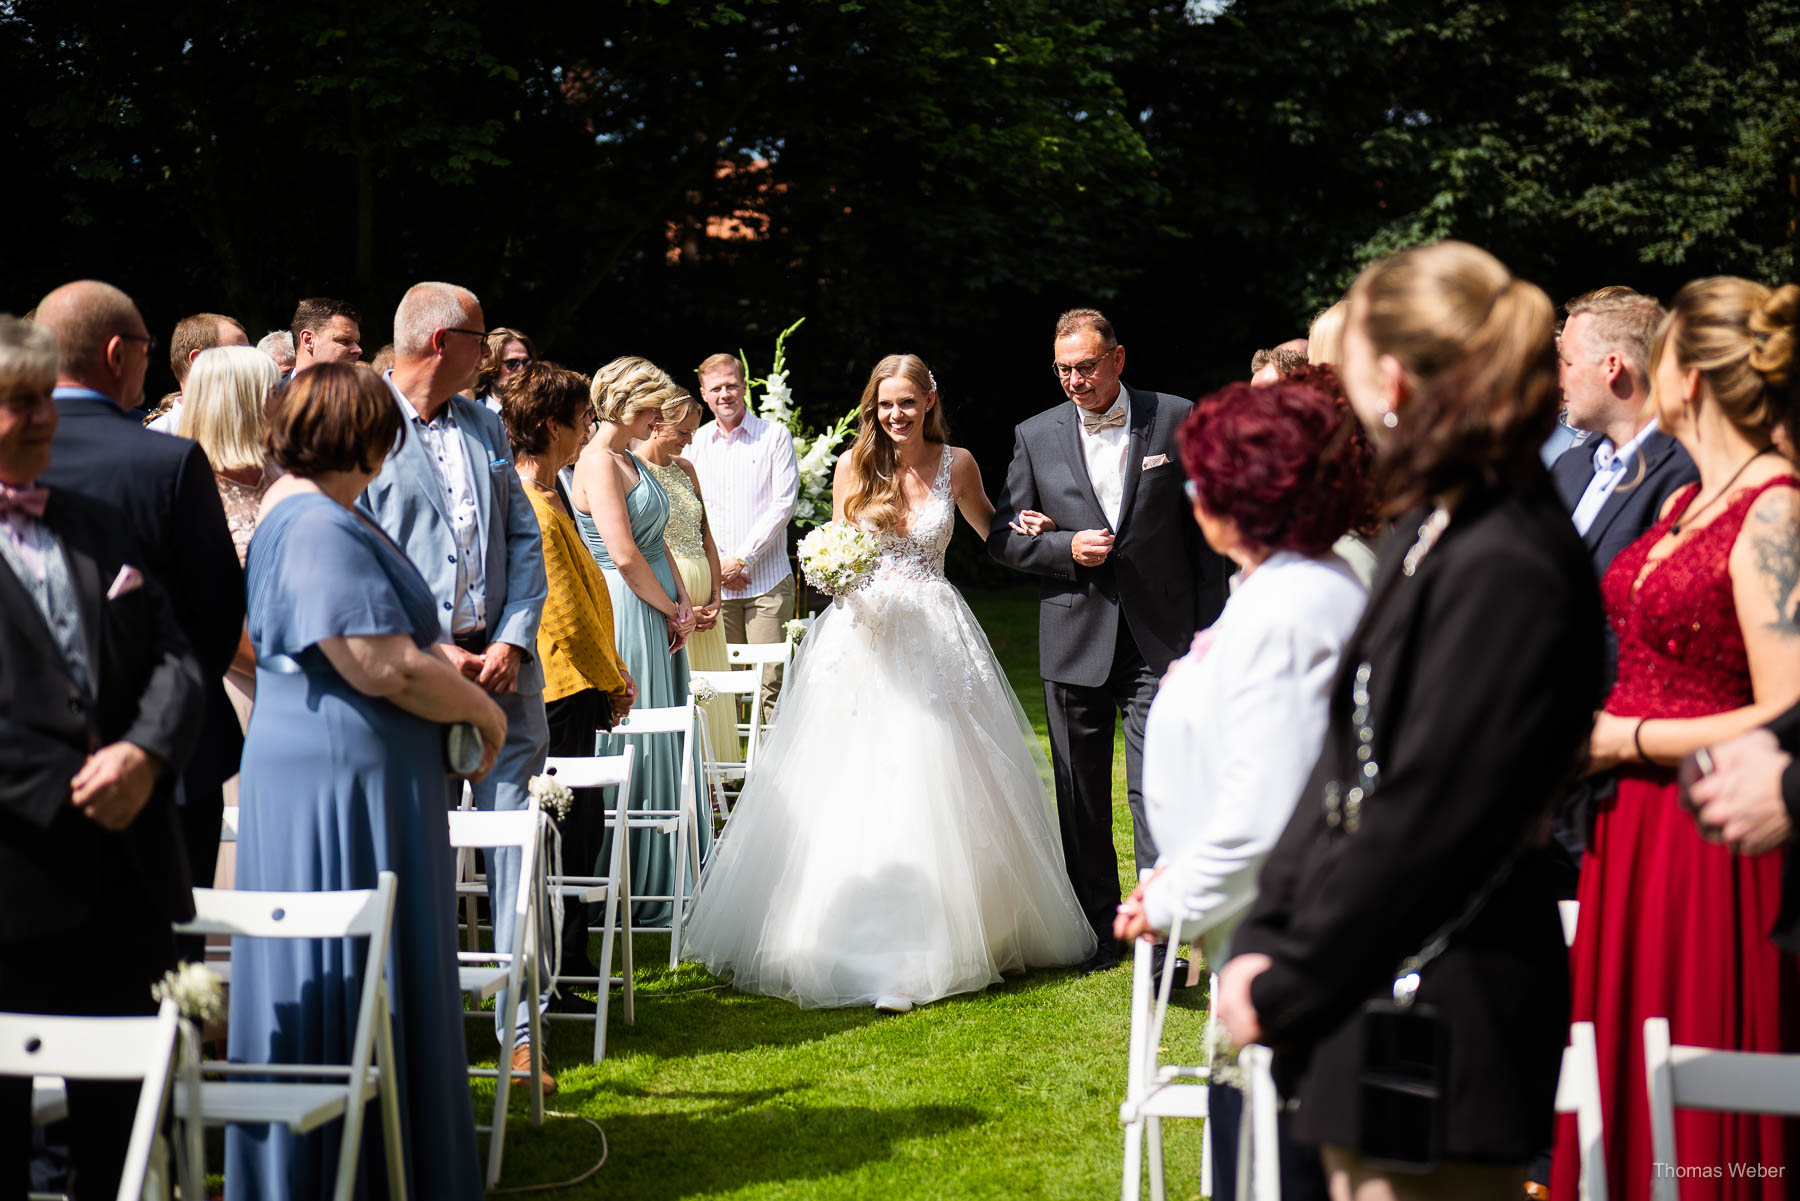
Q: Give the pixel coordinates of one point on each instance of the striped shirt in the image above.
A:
(751, 483)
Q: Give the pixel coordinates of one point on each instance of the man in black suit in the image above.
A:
(166, 491)
(1614, 487)
(100, 703)
(1125, 581)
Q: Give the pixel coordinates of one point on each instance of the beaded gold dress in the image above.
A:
(705, 648)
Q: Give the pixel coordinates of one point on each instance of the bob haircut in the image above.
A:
(332, 417)
(223, 404)
(534, 396)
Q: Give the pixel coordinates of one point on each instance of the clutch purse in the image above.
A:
(462, 748)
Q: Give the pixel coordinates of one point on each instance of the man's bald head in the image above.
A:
(85, 316)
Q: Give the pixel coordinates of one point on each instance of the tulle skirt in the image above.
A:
(896, 836)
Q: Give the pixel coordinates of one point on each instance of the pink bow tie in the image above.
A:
(28, 501)
(1112, 419)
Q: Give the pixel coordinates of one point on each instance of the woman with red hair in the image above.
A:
(1275, 475)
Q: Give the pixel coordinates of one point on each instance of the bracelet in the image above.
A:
(1637, 733)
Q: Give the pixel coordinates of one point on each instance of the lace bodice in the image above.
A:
(685, 513)
(918, 552)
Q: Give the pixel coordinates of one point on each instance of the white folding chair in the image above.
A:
(762, 656)
(742, 687)
(1578, 1092)
(507, 976)
(47, 1047)
(601, 771)
(1155, 1090)
(678, 722)
(313, 1094)
(1681, 1077)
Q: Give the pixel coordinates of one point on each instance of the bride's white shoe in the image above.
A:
(889, 1003)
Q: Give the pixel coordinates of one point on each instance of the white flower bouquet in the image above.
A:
(553, 796)
(837, 557)
(196, 991)
(702, 690)
(795, 630)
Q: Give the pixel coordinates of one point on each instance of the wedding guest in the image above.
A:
(1325, 336)
(165, 489)
(100, 703)
(623, 514)
(1709, 648)
(690, 540)
(547, 411)
(747, 472)
(1267, 366)
(1275, 479)
(192, 335)
(383, 361)
(344, 778)
(325, 331)
(1471, 677)
(505, 351)
(278, 344)
(449, 497)
(1751, 803)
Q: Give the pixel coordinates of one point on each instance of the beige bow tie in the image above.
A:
(1112, 419)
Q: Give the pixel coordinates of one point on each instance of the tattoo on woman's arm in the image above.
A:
(1778, 558)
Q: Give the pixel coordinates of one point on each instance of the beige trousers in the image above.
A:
(760, 619)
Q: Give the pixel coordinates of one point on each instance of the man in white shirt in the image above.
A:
(750, 481)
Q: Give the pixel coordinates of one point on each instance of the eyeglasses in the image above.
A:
(473, 333)
(515, 364)
(149, 341)
(1086, 369)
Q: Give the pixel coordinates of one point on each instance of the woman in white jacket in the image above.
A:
(1276, 475)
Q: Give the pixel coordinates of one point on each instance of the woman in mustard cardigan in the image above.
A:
(586, 688)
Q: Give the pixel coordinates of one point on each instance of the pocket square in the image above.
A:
(1154, 461)
(129, 579)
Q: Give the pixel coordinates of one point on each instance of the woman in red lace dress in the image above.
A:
(1672, 925)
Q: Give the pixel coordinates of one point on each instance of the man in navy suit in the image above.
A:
(1614, 486)
(1124, 578)
(169, 498)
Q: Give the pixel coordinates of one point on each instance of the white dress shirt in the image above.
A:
(751, 482)
(169, 422)
(449, 460)
(1609, 469)
(1105, 452)
(1233, 736)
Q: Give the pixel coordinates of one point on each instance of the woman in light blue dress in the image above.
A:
(622, 512)
(344, 778)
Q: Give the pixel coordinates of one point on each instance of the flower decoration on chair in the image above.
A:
(795, 630)
(815, 452)
(196, 991)
(553, 796)
(702, 690)
(838, 557)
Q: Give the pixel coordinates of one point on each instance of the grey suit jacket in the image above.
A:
(405, 501)
(1161, 578)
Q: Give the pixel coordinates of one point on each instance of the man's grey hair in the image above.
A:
(27, 355)
(278, 344)
(1622, 320)
(425, 309)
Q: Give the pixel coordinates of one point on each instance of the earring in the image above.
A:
(1390, 419)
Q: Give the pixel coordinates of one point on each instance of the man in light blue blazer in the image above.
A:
(448, 495)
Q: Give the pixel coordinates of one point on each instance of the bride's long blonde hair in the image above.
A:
(875, 500)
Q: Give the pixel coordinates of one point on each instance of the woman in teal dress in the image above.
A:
(622, 512)
(344, 778)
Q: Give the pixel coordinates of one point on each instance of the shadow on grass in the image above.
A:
(741, 1140)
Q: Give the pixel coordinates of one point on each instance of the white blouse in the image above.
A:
(1233, 737)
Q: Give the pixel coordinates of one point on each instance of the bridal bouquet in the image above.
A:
(837, 557)
(814, 453)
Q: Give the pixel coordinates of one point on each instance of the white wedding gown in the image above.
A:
(895, 837)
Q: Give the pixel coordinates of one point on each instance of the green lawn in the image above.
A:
(1009, 1093)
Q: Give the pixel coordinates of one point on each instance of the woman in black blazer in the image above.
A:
(1465, 697)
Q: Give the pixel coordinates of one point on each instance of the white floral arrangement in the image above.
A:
(553, 796)
(702, 689)
(815, 453)
(795, 630)
(837, 557)
(196, 991)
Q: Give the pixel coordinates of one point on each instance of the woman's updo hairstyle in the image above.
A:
(1739, 335)
(1478, 349)
(625, 387)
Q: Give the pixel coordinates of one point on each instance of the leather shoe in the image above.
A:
(1103, 960)
(1181, 973)
(568, 1002)
(521, 1062)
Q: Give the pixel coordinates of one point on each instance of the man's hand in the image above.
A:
(499, 668)
(732, 573)
(469, 665)
(1090, 548)
(114, 784)
(1235, 1008)
(1740, 803)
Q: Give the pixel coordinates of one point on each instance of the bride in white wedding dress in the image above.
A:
(895, 843)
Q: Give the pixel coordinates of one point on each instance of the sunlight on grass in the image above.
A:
(1013, 1092)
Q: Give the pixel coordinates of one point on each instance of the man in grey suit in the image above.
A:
(1125, 581)
(448, 495)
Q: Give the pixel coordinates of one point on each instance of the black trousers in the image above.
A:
(573, 720)
(103, 967)
(1082, 724)
(1302, 1171)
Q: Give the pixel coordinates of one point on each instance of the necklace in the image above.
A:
(1696, 510)
(538, 484)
